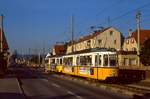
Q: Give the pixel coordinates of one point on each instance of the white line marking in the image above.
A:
(71, 93)
(19, 86)
(45, 80)
(53, 84)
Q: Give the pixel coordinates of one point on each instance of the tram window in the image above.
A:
(86, 60)
(52, 61)
(68, 61)
(105, 57)
(78, 61)
(96, 61)
(112, 59)
(61, 61)
(89, 60)
(57, 62)
(64, 61)
(46, 61)
(82, 60)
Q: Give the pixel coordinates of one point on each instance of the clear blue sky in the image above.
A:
(38, 23)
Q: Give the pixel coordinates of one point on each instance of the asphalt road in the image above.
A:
(35, 85)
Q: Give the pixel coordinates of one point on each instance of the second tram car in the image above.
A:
(100, 64)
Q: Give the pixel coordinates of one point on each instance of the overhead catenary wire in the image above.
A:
(125, 14)
(106, 8)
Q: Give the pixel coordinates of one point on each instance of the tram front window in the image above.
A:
(112, 60)
(52, 61)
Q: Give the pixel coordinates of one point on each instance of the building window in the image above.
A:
(89, 43)
(133, 49)
(111, 33)
(133, 62)
(115, 41)
(99, 41)
(126, 61)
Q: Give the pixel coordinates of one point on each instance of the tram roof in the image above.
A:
(86, 51)
(93, 50)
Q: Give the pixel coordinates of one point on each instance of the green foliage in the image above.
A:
(145, 53)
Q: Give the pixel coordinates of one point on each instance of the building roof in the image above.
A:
(92, 35)
(144, 35)
(5, 44)
(60, 49)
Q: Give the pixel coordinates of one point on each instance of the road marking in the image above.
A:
(45, 80)
(53, 84)
(71, 93)
(19, 86)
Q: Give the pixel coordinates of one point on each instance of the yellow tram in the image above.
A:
(100, 64)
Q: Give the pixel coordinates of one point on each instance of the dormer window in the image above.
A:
(132, 40)
(127, 41)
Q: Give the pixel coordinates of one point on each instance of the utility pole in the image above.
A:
(39, 59)
(43, 58)
(72, 33)
(29, 56)
(138, 16)
(1, 41)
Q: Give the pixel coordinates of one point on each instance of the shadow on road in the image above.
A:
(22, 73)
(66, 96)
(11, 96)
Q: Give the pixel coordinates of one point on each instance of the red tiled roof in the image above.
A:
(144, 35)
(5, 44)
(59, 49)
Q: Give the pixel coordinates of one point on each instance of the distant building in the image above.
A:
(127, 59)
(59, 49)
(130, 43)
(106, 38)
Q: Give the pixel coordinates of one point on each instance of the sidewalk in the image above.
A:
(10, 89)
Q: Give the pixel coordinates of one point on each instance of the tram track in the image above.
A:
(126, 89)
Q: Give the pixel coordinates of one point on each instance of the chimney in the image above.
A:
(130, 32)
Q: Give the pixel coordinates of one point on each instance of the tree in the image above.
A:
(145, 53)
